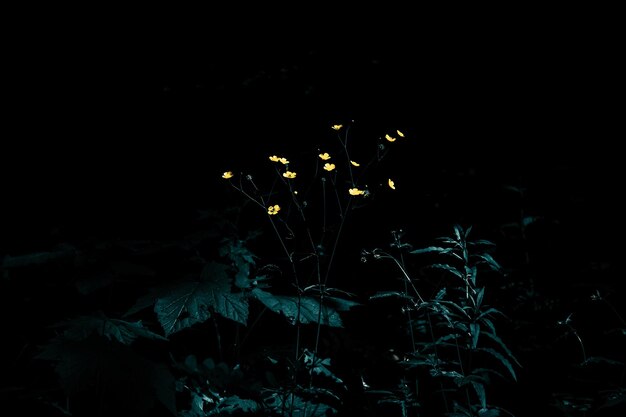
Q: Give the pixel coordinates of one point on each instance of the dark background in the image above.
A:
(124, 133)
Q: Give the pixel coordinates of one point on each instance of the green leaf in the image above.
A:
(307, 310)
(502, 359)
(430, 249)
(234, 404)
(504, 347)
(291, 405)
(185, 306)
(475, 331)
(185, 303)
(479, 296)
(480, 392)
(448, 268)
(387, 294)
(124, 332)
(318, 365)
(488, 259)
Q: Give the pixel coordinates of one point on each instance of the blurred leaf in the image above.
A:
(132, 382)
(124, 332)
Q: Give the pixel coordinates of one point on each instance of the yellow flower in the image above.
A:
(329, 167)
(324, 156)
(289, 174)
(390, 139)
(337, 127)
(356, 191)
(392, 185)
(272, 210)
(356, 164)
(284, 161)
(400, 133)
(274, 158)
(227, 175)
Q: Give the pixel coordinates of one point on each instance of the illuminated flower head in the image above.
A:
(282, 160)
(227, 175)
(400, 133)
(390, 138)
(336, 127)
(289, 174)
(272, 210)
(356, 191)
(329, 167)
(356, 164)
(324, 156)
(391, 184)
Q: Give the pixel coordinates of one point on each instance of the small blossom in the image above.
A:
(289, 174)
(274, 158)
(391, 184)
(336, 127)
(284, 161)
(400, 133)
(324, 156)
(356, 191)
(329, 167)
(272, 210)
(227, 175)
(390, 138)
(356, 164)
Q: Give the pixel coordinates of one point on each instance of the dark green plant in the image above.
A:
(453, 333)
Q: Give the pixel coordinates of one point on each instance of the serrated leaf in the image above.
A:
(318, 366)
(185, 306)
(502, 359)
(429, 249)
(292, 405)
(448, 268)
(502, 345)
(234, 404)
(387, 294)
(305, 310)
(185, 303)
(488, 259)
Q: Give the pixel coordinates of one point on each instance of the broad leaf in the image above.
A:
(305, 310)
(186, 303)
